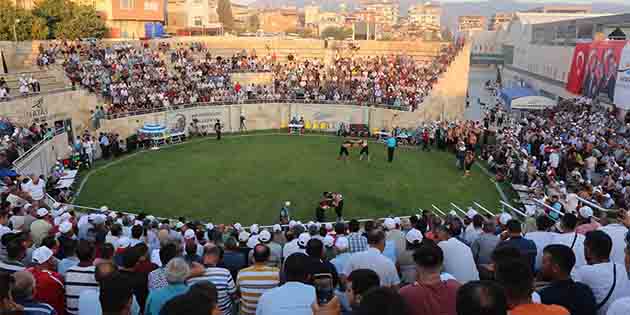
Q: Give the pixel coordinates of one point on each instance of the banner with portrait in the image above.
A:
(600, 70)
(622, 88)
(202, 118)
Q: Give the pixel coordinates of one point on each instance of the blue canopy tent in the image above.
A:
(155, 133)
(510, 94)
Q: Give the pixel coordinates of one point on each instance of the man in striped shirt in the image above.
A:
(16, 251)
(220, 277)
(23, 291)
(255, 280)
(80, 277)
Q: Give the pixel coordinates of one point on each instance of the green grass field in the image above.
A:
(246, 179)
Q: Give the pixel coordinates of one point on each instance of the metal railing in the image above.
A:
(437, 212)
(255, 101)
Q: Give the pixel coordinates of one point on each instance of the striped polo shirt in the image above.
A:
(11, 266)
(253, 282)
(78, 279)
(222, 279)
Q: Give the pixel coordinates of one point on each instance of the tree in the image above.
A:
(66, 19)
(53, 12)
(224, 10)
(25, 25)
(338, 33)
(83, 23)
(253, 23)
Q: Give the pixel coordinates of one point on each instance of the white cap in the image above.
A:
(254, 229)
(414, 236)
(137, 222)
(150, 217)
(471, 213)
(189, 234)
(342, 243)
(112, 214)
(131, 217)
(328, 241)
(56, 205)
(123, 242)
(41, 255)
(210, 226)
(453, 213)
(42, 212)
(292, 224)
(389, 223)
(179, 225)
(65, 217)
(252, 241)
(65, 227)
(119, 221)
(26, 206)
(586, 212)
(237, 226)
(276, 228)
(504, 218)
(99, 219)
(104, 208)
(328, 226)
(287, 203)
(264, 236)
(397, 220)
(303, 239)
(243, 236)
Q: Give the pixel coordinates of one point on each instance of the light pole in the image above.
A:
(14, 29)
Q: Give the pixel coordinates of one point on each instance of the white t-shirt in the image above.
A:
(37, 191)
(578, 247)
(541, 239)
(599, 278)
(617, 233)
(619, 307)
(459, 261)
(291, 248)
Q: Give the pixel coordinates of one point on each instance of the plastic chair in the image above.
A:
(307, 124)
(315, 125)
(323, 125)
(284, 124)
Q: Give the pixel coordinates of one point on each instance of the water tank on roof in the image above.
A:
(159, 29)
(148, 30)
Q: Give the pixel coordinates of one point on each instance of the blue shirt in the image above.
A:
(391, 142)
(340, 261)
(390, 250)
(525, 246)
(275, 301)
(66, 263)
(157, 298)
(89, 303)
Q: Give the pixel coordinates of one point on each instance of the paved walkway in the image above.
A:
(476, 89)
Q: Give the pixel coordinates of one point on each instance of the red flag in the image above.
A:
(576, 74)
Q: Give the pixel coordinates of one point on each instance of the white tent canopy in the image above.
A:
(533, 103)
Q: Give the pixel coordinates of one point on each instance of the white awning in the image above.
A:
(533, 103)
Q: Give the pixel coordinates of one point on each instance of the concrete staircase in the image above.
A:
(49, 80)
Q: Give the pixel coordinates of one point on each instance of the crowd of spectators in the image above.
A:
(60, 262)
(133, 79)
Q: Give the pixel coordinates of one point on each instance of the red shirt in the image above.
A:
(49, 289)
(437, 299)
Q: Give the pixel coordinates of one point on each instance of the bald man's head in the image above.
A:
(24, 288)
(261, 253)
